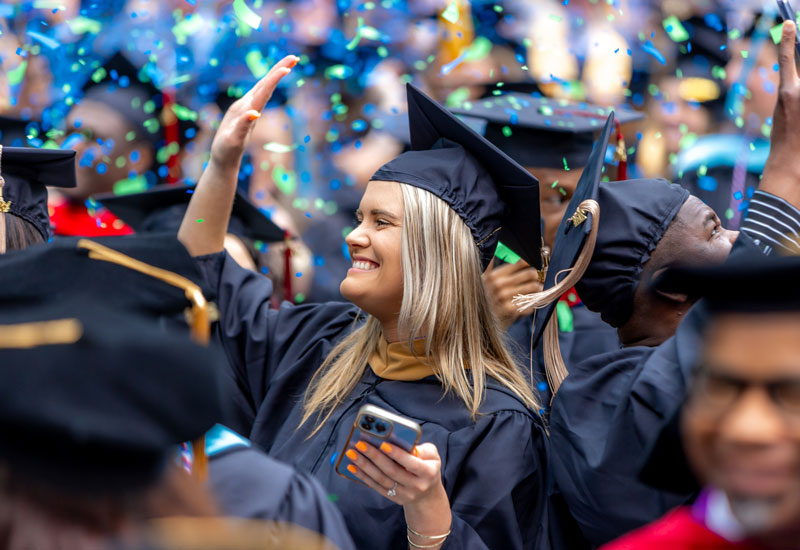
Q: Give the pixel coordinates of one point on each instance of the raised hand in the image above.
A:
(503, 283)
(782, 169)
(206, 220)
(237, 124)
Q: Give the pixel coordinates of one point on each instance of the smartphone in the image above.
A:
(787, 13)
(374, 425)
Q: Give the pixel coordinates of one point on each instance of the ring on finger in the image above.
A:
(393, 491)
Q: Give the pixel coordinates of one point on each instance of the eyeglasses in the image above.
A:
(718, 393)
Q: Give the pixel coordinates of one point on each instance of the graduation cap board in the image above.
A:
(543, 132)
(161, 209)
(25, 173)
(496, 197)
(93, 399)
(579, 223)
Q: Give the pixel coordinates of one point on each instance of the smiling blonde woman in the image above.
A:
(419, 339)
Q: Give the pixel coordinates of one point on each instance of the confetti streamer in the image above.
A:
(451, 12)
(675, 29)
(246, 15)
(45, 41)
(649, 48)
(505, 254)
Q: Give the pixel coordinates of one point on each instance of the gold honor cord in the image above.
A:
(40, 333)
(200, 318)
(5, 206)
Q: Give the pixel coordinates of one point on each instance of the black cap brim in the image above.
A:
(136, 209)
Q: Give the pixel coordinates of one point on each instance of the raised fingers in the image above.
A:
(263, 90)
(786, 62)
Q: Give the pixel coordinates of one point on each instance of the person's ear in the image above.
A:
(671, 296)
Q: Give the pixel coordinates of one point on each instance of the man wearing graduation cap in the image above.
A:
(740, 423)
(25, 174)
(612, 408)
(552, 139)
(119, 131)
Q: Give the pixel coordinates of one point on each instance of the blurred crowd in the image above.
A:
(695, 68)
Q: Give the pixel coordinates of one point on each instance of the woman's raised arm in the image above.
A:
(206, 220)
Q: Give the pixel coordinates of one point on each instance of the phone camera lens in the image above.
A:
(380, 428)
(370, 419)
(366, 424)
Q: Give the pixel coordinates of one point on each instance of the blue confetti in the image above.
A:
(707, 183)
(649, 48)
(45, 41)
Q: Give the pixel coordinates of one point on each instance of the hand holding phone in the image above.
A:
(375, 426)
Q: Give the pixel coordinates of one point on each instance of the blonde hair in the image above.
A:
(443, 300)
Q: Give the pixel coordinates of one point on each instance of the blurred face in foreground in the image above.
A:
(741, 424)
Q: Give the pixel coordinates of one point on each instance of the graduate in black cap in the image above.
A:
(419, 339)
(126, 134)
(552, 139)
(613, 407)
(152, 277)
(25, 174)
(91, 417)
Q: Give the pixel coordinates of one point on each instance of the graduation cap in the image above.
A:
(93, 399)
(161, 209)
(606, 236)
(15, 131)
(131, 93)
(150, 275)
(496, 197)
(24, 174)
(747, 283)
(543, 132)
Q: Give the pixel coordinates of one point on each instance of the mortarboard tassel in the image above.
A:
(5, 206)
(555, 368)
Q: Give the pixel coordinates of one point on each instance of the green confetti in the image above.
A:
(675, 29)
(728, 213)
(286, 182)
(130, 185)
(246, 15)
(554, 17)
(256, 63)
(703, 170)
(275, 147)
(566, 168)
(480, 48)
(457, 97)
(84, 25)
(451, 12)
(506, 131)
(554, 184)
(184, 113)
(546, 110)
(564, 316)
(16, 75)
(745, 54)
(200, 220)
(505, 254)
(776, 32)
(338, 72)
(299, 298)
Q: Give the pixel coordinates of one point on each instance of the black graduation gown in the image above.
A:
(249, 484)
(590, 336)
(608, 416)
(493, 468)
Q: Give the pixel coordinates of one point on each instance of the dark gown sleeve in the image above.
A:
(263, 344)
(498, 494)
(249, 484)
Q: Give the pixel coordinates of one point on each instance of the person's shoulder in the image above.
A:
(676, 531)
